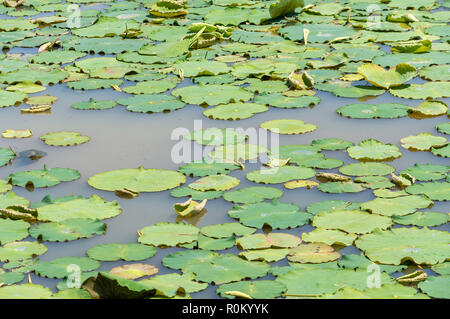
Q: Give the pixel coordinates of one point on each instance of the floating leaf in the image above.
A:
(436, 287)
(314, 253)
(234, 111)
(271, 240)
(93, 207)
(25, 291)
(138, 179)
(6, 156)
(43, 177)
(212, 94)
(422, 246)
(172, 284)
(373, 150)
(168, 234)
(369, 111)
(214, 183)
(428, 90)
(64, 138)
(69, 229)
(134, 271)
(274, 214)
(250, 195)
(423, 142)
(329, 237)
(399, 206)
(433, 190)
(59, 267)
(351, 221)
(288, 126)
(226, 230)
(396, 76)
(260, 289)
(16, 133)
(12, 230)
(20, 250)
(128, 252)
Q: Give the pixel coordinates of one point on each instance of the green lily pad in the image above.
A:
(205, 168)
(226, 230)
(436, 287)
(340, 187)
(427, 172)
(422, 219)
(43, 177)
(373, 150)
(428, 109)
(314, 253)
(168, 234)
(399, 206)
(137, 179)
(202, 67)
(235, 111)
(59, 267)
(359, 262)
(251, 195)
(433, 190)
(351, 221)
(428, 90)
(329, 237)
(94, 105)
(214, 183)
(64, 138)
(134, 271)
(150, 87)
(274, 214)
(271, 240)
(109, 286)
(443, 128)
(6, 156)
(422, 246)
(151, 103)
(288, 126)
(25, 291)
(435, 73)
(370, 111)
(423, 142)
(282, 174)
(366, 169)
(212, 94)
(12, 230)
(10, 198)
(93, 207)
(226, 268)
(330, 205)
(285, 102)
(181, 259)
(441, 151)
(269, 255)
(69, 229)
(196, 195)
(331, 144)
(128, 252)
(20, 250)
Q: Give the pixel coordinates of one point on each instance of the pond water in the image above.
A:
(122, 139)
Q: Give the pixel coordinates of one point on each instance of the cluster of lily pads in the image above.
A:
(240, 58)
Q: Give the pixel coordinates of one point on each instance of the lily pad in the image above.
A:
(138, 179)
(128, 252)
(43, 177)
(234, 111)
(168, 234)
(373, 150)
(251, 195)
(271, 240)
(422, 246)
(379, 77)
(399, 206)
(282, 174)
(423, 142)
(59, 267)
(369, 111)
(20, 250)
(314, 253)
(258, 289)
(69, 229)
(64, 138)
(212, 94)
(288, 126)
(12, 230)
(433, 190)
(214, 183)
(422, 219)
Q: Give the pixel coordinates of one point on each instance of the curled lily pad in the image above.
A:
(64, 138)
(443, 151)
(422, 246)
(128, 252)
(288, 126)
(137, 179)
(373, 150)
(168, 234)
(396, 76)
(215, 183)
